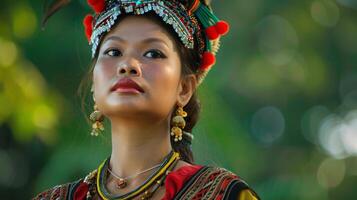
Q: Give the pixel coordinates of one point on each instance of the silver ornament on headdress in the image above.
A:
(107, 19)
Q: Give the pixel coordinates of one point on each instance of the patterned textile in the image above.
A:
(59, 192)
(212, 183)
(191, 183)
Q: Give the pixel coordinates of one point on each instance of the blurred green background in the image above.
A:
(279, 107)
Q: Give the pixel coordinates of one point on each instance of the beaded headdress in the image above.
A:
(192, 20)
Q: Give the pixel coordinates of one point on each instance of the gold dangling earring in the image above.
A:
(178, 123)
(97, 119)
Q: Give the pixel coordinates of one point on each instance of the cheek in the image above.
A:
(164, 80)
(104, 68)
(103, 73)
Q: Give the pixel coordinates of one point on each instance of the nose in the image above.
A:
(129, 68)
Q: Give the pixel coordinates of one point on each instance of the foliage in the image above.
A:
(279, 107)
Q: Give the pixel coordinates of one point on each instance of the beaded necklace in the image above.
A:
(146, 189)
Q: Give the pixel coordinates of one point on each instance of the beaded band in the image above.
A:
(182, 25)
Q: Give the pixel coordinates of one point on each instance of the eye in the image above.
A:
(155, 54)
(113, 52)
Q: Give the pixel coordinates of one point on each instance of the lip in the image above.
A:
(126, 85)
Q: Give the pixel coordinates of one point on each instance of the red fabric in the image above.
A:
(81, 191)
(175, 180)
(222, 188)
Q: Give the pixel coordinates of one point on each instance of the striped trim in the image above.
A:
(208, 183)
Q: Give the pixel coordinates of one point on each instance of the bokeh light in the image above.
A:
(311, 122)
(325, 12)
(24, 21)
(268, 125)
(338, 135)
(331, 173)
(8, 53)
(278, 41)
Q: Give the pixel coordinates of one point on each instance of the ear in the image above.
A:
(187, 87)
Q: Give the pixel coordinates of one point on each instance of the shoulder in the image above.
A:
(61, 192)
(73, 190)
(216, 183)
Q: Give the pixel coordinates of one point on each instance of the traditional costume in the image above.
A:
(198, 28)
(193, 182)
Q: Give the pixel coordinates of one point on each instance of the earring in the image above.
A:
(97, 119)
(178, 123)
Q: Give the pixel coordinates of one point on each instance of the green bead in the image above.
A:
(138, 2)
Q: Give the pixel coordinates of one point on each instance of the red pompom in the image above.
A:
(88, 20)
(222, 27)
(88, 26)
(212, 33)
(208, 59)
(97, 5)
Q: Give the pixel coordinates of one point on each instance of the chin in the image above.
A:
(127, 105)
(124, 100)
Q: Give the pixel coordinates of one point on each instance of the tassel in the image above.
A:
(97, 5)
(88, 26)
(214, 27)
(208, 59)
(205, 15)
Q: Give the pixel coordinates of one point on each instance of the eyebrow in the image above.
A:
(113, 38)
(148, 40)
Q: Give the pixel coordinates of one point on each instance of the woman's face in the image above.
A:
(138, 48)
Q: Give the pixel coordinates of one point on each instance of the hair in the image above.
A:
(190, 60)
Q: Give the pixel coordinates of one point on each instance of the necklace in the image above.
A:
(123, 181)
(146, 189)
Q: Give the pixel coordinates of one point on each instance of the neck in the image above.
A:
(138, 145)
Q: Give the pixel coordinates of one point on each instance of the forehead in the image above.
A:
(134, 28)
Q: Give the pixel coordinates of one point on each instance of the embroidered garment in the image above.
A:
(193, 182)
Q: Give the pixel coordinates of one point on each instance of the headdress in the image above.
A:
(192, 20)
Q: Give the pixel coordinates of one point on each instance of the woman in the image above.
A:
(149, 56)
